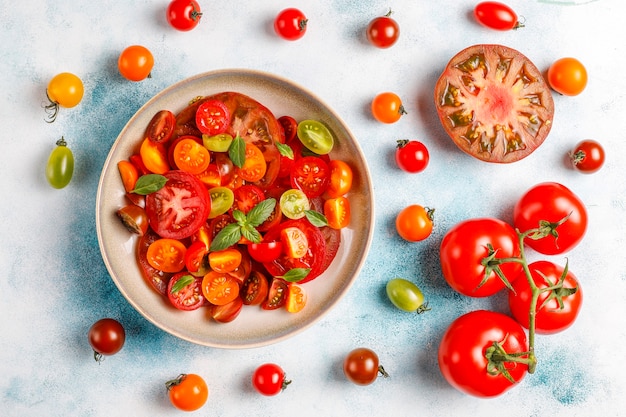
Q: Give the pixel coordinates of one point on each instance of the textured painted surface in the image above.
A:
(54, 285)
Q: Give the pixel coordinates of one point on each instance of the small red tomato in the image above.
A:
(587, 156)
(290, 24)
(412, 156)
(106, 337)
(361, 366)
(495, 15)
(383, 31)
(269, 379)
(183, 15)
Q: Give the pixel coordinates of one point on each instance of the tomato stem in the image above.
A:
(382, 371)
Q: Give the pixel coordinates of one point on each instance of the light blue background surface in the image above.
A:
(54, 284)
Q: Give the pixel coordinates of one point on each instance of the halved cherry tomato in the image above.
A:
(195, 254)
(154, 157)
(254, 167)
(243, 271)
(290, 126)
(161, 127)
(277, 295)
(246, 197)
(191, 156)
(210, 176)
(226, 260)
(188, 297)
(212, 117)
(254, 289)
(265, 251)
(294, 241)
(222, 199)
(311, 175)
(217, 143)
(128, 174)
(340, 178)
(220, 288)
(136, 160)
(167, 255)
(337, 212)
(155, 277)
(228, 312)
(134, 218)
(296, 298)
(294, 203)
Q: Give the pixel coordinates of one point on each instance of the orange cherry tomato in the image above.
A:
(567, 76)
(337, 212)
(129, 174)
(167, 255)
(414, 223)
(220, 288)
(187, 392)
(387, 107)
(226, 260)
(254, 167)
(191, 156)
(340, 178)
(135, 63)
(296, 298)
(295, 242)
(154, 157)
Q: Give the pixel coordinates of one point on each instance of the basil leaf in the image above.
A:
(316, 218)
(237, 151)
(261, 212)
(149, 183)
(182, 283)
(296, 274)
(285, 150)
(251, 233)
(240, 217)
(227, 237)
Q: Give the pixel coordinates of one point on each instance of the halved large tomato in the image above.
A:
(180, 208)
(494, 103)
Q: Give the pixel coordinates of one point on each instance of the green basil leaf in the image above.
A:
(316, 218)
(261, 212)
(240, 217)
(149, 183)
(226, 237)
(182, 283)
(237, 151)
(296, 274)
(251, 233)
(285, 150)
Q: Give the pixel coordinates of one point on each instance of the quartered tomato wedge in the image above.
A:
(212, 117)
(180, 208)
(295, 242)
(277, 295)
(296, 298)
(195, 254)
(185, 291)
(314, 258)
(156, 278)
(154, 157)
(311, 175)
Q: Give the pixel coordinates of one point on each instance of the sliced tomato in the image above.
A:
(220, 288)
(314, 258)
(161, 127)
(195, 254)
(136, 160)
(296, 298)
(332, 237)
(154, 157)
(190, 156)
(227, 312)
(180, 208)
(295, 242)
(172, 146)
(254, 289)
(311, 175)
(211, 176)
(129, 174)
(186, 297)
(167, 255)
(225, 167)
(265, 251)
(337, 212)
(254, 166)
(212, 117)
(243, 271)
(277, 295)
(226, 260)
(156, 278)
(246, 197)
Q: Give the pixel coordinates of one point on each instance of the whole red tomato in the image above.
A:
(463, 353)
(183, 15)
(494, 103)
(383, 31)
(558, 211)
(556, 309)
(587, 156)
(290, 24)
(465, 248)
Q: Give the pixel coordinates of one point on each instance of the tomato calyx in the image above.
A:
(547, 228)
(499, 360)
(492, 264)
(176, 381)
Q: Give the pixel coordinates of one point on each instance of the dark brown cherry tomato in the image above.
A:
(383, 31)
(361, 366)
(161, 127)
(106, 337)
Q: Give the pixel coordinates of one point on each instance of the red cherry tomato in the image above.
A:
(311, 175)
(495, 15)
(361, 366)
(412, 156)
(106, 337)
(161, 127)
(290, 24)
(185, 291)
(588, 156)
(383, 31)
(265, 251)
(269, 379)
(183, 15)
(212, 117)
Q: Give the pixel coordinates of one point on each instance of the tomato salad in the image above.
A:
(234, 206)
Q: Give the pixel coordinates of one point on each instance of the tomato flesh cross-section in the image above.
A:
(494, 103)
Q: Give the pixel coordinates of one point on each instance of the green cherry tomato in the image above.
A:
(294, 203)
(406, 296)
(60, 167)
(222, 199)
(217, 143)
(315, 136)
